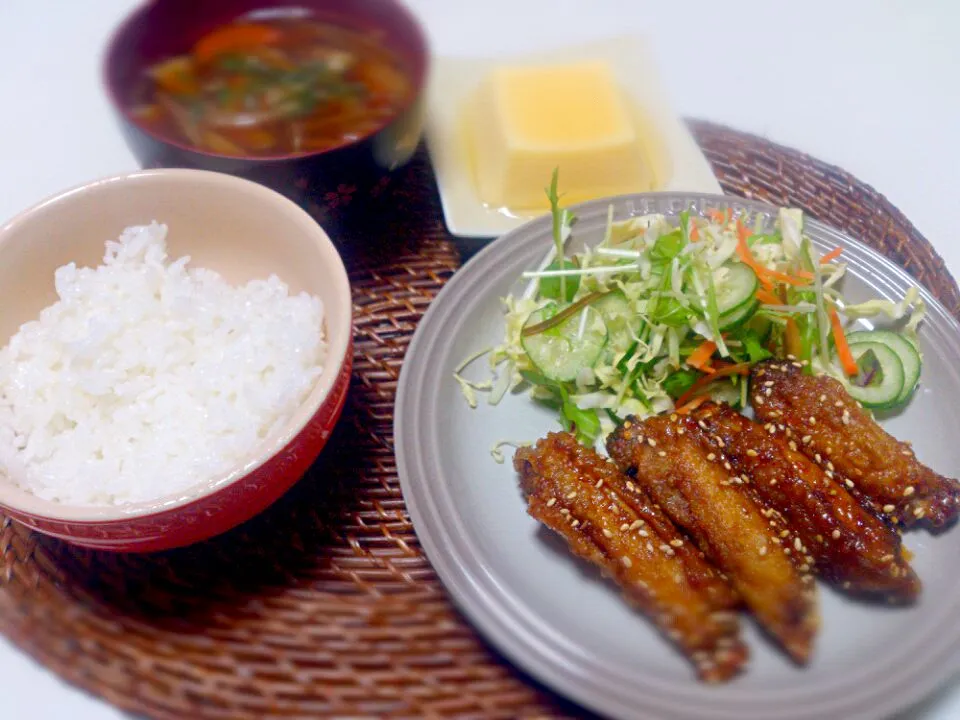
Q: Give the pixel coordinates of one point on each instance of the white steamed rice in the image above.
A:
(147, 377)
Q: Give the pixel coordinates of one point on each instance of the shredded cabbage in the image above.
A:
(666, 281)
(892, 310)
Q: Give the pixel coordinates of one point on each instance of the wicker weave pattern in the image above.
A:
(324, 606)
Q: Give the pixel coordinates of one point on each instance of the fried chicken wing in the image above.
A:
(673, 459)
(580, 495)
(833, 430)
(846, 544)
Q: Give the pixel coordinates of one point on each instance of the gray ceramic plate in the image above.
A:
(555, 616)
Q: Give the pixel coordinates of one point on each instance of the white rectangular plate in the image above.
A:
(454, 80)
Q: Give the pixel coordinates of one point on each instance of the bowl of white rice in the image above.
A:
(175, 348)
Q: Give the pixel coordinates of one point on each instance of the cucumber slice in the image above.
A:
(884, 393)
(619, 316)
(561, 352)
(737, 288)
(739, 316)
(905, 350)
(615, 308)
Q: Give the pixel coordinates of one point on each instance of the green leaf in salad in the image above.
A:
(663, 308)
(671, 313)
(869, 370)
(677, 383)
(553, 287)
(585, 423)
(752, 346)
(666, 248)
(535, 378)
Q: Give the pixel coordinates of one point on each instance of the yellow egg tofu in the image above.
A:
(527, 120)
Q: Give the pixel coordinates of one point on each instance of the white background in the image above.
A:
(868, 85)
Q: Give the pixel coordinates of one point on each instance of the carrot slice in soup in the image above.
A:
(234, 38)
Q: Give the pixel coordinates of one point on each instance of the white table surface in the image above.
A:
(868, 85)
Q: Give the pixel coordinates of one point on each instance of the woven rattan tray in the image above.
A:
(325, 606)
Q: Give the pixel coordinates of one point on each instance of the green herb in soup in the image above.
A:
(274, 87)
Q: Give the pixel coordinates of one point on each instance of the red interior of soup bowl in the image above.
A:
(163, 28)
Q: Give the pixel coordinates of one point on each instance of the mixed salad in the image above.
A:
(660, 316)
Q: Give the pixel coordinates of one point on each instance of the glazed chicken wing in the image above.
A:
(832, 429)
(584, 498)
(674, 460)
(846, 544)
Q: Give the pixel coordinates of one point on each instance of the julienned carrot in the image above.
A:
(843, 349)
(689, 407)
(699, 357)
(722, 364)
(747, 258)
(767, 297)
(703, 381)
(234, 38)
(694, 233)
(787, 279)
(717, 216)
(831, 256)
(765, 274)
